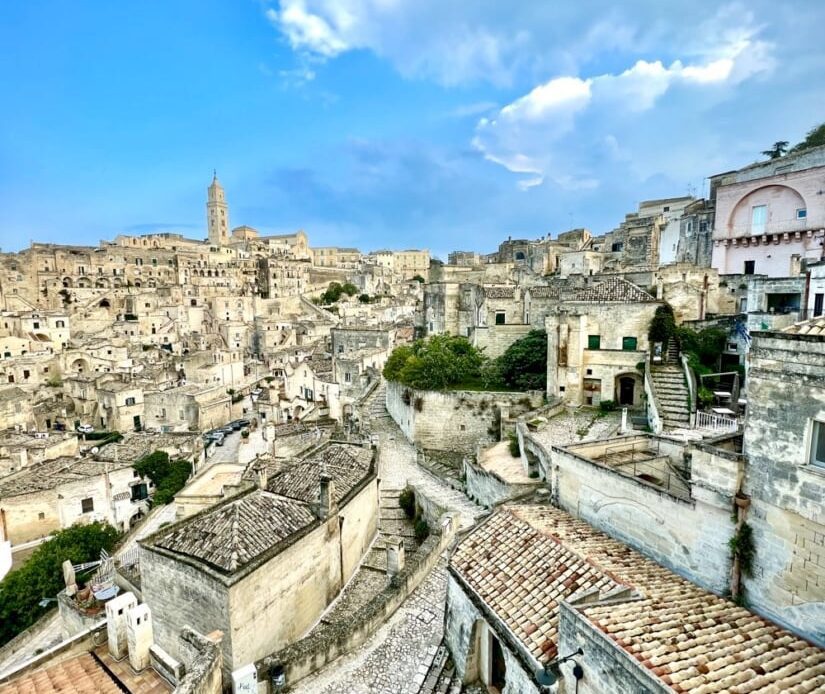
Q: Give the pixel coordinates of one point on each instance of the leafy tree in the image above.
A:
(814, 138)
(777, 150)
(364, 298)
(169, 477)
(663, 325)
(434, 364)
(524, 364)
(349, 288)
(704, 347)
(419, 278)
(42, 577)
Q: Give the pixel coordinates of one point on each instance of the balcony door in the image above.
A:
(759, 219)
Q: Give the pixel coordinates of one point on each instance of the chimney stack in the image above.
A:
(261, 475)
(327, 500)
(395, 556)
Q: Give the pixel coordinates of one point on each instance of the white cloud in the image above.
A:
(538, 133)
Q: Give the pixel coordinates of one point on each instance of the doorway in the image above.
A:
(627, 390)
(498, 668)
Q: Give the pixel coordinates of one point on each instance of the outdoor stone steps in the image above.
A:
(392, 514)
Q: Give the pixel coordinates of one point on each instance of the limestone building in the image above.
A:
(263, 565)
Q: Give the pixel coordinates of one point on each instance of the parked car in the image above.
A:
(236, 425)
(85, 428)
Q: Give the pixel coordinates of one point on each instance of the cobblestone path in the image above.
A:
(396, 658)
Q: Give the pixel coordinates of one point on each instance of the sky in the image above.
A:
(441, 124)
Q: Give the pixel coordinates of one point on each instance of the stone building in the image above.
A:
(596, 336)
(20, 450)
(263, 565)
(61, 492)
(695, 245)
(770, 216)
(407, 264)
(530, 586)
(785, 477)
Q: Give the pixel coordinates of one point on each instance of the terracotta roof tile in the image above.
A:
(690, 639)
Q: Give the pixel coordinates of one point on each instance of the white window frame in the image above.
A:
(816, 428)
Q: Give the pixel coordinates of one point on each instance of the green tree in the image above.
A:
(364, 298)
(663, 325)
(814, 138)
(777, 150)
(42, 577)
(524, 364)
(436, 363)
(349, 288)
(168, 476)
(419, 278)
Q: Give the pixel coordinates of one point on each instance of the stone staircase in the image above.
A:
(672, 396)
(441, 677)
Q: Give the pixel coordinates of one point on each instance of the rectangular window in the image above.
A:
(818, 301)
(759, 219)
(802, 213)
(629, 344)
(750, 267)
(87, 505)
(594, 342)
(817, 456)
(130, 401)
(703, 226)
(500, 317)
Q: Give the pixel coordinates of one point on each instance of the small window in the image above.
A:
(802, 213)
(616, 247)
(817, 456)
(629, 344)
(130, 401)
(703, 226)
(594, 341)
(561, 389)
(87, 505)
(500, 317)
(41, 516)
(666, 208)
(750, 267)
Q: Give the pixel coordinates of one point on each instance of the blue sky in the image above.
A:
(387, 123)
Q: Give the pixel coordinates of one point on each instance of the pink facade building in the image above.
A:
(770, 216)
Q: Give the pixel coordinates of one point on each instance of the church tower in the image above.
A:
(217, 213)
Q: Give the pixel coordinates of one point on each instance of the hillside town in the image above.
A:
(578, 463)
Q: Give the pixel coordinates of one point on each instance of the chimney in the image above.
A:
(139, 636)
(395, 556)
(261, 475)
(116, 610)
(328, 505)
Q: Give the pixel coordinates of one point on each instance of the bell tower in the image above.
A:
(217, 213)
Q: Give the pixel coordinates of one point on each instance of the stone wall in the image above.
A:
(495, 339)
(466, 634)
(330, 641)
(606, 667)
(689, 536)
(203, 664)
(786, 397)
(453, 420)
(181, 596)
(488, 489)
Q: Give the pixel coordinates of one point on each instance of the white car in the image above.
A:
(85, 428)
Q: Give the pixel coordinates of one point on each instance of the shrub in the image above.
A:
(608, 406)
(419, 278)
(742, 548)
(42, 576)
(364, 298)
(515, 449)
(407, 502)
(421, 529)
(705, 396)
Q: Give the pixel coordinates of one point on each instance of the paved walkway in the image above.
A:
(396, 658)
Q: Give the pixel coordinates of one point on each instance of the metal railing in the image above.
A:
(716, 422)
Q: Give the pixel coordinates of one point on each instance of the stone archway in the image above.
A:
(628, 389)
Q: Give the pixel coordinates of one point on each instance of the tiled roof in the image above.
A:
(52, 474)
(526, 558)
(79, 675)
(235, 533)
(608, 289)
(613, 289)
(502, 292)
(815, 326)
(346, 464)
